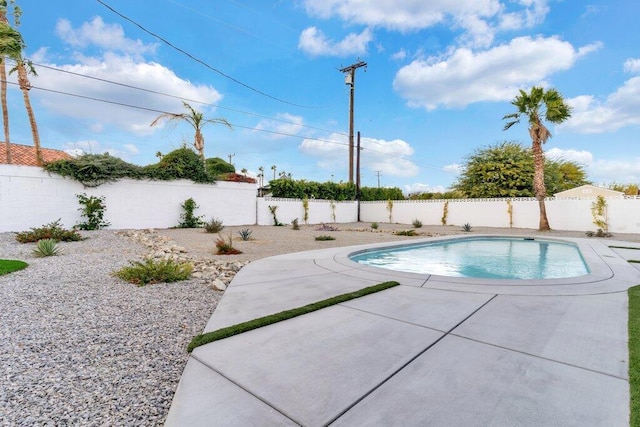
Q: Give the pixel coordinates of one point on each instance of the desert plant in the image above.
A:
(92, 208)
(417, 223)
(390, 210)
(245, 234)
(225, 246)
(325, 227)
(445, 213)
(214, 225)
(187, 218)
(324, 238)
(295, 225)
(152, 271)
(467, 227)
(305, 206)
(405, 233)
(273, 210)
(46, 247)
(53, 230)
(374, 225)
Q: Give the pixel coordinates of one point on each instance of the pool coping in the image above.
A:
(227, 382)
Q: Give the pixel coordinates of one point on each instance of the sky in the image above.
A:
(439, 77)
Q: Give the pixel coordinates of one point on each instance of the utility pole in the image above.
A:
(230, 156)
(358, 176)
(350, 79)
(378, 174)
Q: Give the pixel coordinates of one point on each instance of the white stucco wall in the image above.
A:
(30, 197)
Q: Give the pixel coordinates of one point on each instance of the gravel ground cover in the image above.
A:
(80, 347)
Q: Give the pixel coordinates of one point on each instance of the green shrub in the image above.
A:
(92, 209)
(217, 166)
(295, 225)
(467, 227)
(183, 163)
(53, 230)
(152, 271)
(187, 218)
(9, 266)
(417, 223)
(213, 226)
(374, 225)
(324, 238)
(245, 234)
(93, 170)
(46, 247)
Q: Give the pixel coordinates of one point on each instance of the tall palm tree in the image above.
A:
(197, 121)
(12, 45)
(536, 105)
(3, 87)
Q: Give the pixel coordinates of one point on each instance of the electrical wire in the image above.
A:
(200, 61)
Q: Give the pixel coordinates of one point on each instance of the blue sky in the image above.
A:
(440, 77)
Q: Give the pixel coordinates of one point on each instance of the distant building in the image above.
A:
(25, 155)
(588, 192)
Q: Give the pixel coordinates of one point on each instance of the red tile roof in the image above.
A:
(25, 155)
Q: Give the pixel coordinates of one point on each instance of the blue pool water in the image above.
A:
(495, 258)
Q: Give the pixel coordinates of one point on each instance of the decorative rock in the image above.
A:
(218, 285)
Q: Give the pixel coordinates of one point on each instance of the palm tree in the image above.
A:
(273, 168)
(536, 105)
(3, 86)
(12, 45)
(197, 121)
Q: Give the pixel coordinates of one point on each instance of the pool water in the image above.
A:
(494, 258)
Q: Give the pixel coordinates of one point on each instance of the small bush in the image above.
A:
(295, 225)
(187, 218)
(245, 234)
(53, 230)
(152, 271)
(213, 226)
(374, 225)
(92, 209)
(46, 247)
(225, 247)
(405, 233)
(417, 223)
(324, 237)
(467, 227)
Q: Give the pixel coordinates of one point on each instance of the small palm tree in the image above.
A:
(197, 121)
(536, 105)
(273, 168)
(244, 172)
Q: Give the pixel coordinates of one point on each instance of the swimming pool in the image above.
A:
(484, 257)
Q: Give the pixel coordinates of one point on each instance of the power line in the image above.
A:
(183, 98)
(200, 61)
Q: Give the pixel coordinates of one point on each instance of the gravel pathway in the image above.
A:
(80, 347)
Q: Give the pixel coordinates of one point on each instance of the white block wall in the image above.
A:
(320, 211)
(30, 197)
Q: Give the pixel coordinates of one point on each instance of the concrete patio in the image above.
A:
(438, 351)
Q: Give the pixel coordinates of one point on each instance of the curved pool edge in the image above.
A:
(603, 263)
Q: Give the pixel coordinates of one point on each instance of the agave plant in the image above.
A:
(46, 247)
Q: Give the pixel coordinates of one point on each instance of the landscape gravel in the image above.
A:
(81, 347)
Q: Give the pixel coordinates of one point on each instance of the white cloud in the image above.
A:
(582, 157)
(105, 36)
(632, 65)
(626, 171)
(285, 125)
(399, 55)
(496, 74)
(314, 42)
(389, 157)
(620, 109)
(479, 19)
(125, 66)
